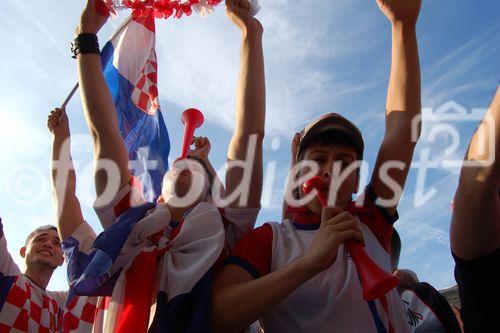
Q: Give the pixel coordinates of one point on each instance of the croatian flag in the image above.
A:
(130, 69)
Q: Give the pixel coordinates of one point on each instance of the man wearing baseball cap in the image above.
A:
(297, 275)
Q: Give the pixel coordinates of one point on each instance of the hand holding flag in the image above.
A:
(92, 19)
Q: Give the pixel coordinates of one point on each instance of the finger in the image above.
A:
(245, 4)
(229, 5)
(347, 225)
(342, 226)
(351, 235)
(334, 215)
(327, 214)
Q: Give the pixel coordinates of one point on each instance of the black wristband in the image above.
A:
(85, 43)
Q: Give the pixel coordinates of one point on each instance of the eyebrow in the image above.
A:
(46, 234)
(347, 155)
(318, 150)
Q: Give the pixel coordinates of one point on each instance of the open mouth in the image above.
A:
(45, 252)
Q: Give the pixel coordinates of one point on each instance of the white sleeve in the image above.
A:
(130, 195)
(7, 265)
(240, 221)
(85, 236)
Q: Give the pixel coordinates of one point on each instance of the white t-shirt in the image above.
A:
(332, 300)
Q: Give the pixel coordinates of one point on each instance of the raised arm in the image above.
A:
(69, 212)
(7, 264)
(99, 108)
(475, 226)
(250, 108)
(403, 102)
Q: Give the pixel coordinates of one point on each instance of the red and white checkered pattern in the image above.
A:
(145, 93)
(84, 314)
(29, 308)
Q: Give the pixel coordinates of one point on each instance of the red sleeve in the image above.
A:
(253, 252)
(376, 218)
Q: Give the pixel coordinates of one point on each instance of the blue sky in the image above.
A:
(326, 56)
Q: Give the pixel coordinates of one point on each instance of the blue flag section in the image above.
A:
(130, 70)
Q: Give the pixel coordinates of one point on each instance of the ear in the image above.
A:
(22, 252)
(60, 261)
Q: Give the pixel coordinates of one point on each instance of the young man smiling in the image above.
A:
(25, 305)
(297, 275)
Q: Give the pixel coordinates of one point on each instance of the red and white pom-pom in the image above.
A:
(163, 8)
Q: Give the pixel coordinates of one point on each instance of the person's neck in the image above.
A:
(40, 274)
(177, 213)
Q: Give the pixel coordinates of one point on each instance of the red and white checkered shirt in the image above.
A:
(24, 306)
(29, 308)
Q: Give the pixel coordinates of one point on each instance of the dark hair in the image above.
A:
(329, 138)
(41, 228)
(207, 170)
(395, 249)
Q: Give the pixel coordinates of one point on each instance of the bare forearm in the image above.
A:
(403, 93)
(62, 165)
(250, 115)
(250, 98)
(485, 147)
(69, 214)
(261, 296)
(475, 226)
(95, 94)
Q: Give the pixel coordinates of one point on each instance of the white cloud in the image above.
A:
(199, 61)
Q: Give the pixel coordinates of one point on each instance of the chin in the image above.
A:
(45, 261)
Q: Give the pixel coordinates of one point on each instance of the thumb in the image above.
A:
(329, 212)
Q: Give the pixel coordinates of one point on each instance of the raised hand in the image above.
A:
(91, 21)
(201, 147)
(239, 12)
(404, 11)
(57, 122)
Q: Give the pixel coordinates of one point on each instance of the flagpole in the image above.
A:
(75, 88)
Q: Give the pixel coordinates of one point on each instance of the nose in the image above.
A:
(47, 244)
